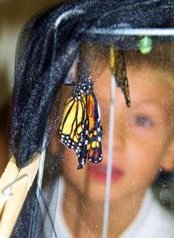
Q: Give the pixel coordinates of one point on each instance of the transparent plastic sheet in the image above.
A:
(57, 214)
(154, 60)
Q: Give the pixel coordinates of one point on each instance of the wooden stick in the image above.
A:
(9, 175)
(19, 188)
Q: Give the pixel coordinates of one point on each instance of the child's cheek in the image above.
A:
(142, 163)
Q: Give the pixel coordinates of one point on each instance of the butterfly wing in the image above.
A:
(71, 124)
(94, 146)
(92, 134)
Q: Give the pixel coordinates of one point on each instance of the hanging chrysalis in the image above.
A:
(145, 45)
(80, 127)
(118, 69)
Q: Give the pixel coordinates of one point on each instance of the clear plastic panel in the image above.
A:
(130, 193)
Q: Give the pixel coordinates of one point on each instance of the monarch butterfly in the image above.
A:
(80, 127)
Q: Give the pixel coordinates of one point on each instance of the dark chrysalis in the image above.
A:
(118, 69)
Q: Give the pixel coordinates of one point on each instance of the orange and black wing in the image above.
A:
(72, 123)
(92, 148)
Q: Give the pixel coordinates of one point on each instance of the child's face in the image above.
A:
(143, 140)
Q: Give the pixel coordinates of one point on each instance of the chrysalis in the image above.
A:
(118, 69)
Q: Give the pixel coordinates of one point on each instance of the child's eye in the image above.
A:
(143, 121)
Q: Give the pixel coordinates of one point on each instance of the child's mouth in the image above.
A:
(99, 171)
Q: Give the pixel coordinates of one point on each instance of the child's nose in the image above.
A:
(120, 123)
(120, 134)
